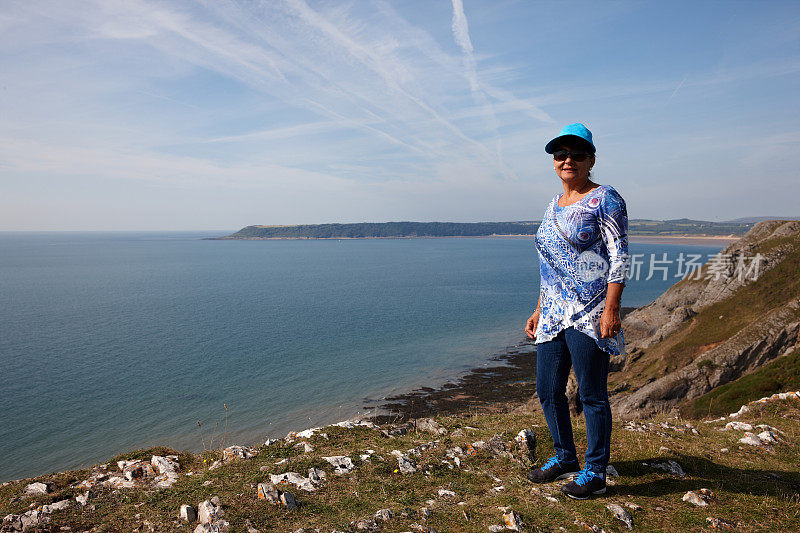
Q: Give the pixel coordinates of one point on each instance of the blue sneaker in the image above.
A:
(586, 484)
(552, 470)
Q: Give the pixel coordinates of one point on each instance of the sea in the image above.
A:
(111, 342)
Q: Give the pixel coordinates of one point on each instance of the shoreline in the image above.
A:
(507, 378)
(644, 239)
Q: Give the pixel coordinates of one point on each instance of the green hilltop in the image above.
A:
(364, 230)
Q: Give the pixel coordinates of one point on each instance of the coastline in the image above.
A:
(644, 239)
(683, 239)
(507, 379)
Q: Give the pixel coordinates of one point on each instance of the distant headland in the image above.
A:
(682, 227)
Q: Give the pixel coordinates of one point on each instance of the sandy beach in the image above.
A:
(683, 239)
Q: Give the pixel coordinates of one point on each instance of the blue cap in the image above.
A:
(572, 132)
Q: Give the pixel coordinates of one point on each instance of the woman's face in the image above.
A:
(571, 170)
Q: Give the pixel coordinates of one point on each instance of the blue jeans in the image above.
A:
(553, 361)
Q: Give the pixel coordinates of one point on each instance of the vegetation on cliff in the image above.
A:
(754, 487)
(703, 333)
(471, 229)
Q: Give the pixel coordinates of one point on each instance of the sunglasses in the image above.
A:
(562, 155)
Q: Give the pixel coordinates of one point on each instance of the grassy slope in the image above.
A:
(779, 375)
(739, 478)
(719, 321)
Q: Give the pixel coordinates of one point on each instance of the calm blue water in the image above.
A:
(111, 342)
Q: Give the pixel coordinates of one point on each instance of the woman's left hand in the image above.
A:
(610, 323)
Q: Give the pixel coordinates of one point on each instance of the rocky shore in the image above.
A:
(456, 473)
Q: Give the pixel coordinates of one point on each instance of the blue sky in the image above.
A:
(219, 114)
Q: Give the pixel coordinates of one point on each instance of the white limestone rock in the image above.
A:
(295, 479)
(82, 499)
(57, 506)
(341, 464)
(188, 513)
(430, 425)
(404, 463)
(694, 498)
(751, 439)
(37, 488)
(238, 452)
(621, 514)
(384, 515)
(167, 468)
(210, 511)
(741, 426)
(768, 437)
(304, 446)
(446, 494)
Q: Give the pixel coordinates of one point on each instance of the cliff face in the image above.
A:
(703, 333)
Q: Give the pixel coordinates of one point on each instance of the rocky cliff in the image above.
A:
(703, 333)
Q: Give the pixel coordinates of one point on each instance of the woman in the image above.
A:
(583, 255)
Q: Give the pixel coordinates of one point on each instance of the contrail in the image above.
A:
(676, 89)
(461, 35)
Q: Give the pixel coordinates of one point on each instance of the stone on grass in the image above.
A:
(57, 506)
(267, 491)
(188, 513)
(237, 452)
(512, 521)
(428, 424)
(611, 471)
(496, 529)
(288, 500)
(315, 475)
(295, 479)
(341, 464)
(632, 506)
(404, 463)
(304, 446)
(210, 511)
(33, 519)
(221, 526)
(621, 514)
(497, 444)
(384, 515)
(767, 437)
(37, 488)
(526, 440)
(670, 467)
(741, 426)
(365, 524)
(166, 467)
(700, 498)
(752, 439)
(447, 494)
(719, 523)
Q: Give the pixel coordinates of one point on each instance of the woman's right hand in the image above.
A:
(530, 326)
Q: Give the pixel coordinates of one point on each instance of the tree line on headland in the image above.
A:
(363, 230)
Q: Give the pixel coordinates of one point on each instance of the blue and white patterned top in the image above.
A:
(582, 248)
